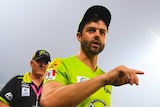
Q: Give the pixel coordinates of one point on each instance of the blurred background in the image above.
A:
(133, 40)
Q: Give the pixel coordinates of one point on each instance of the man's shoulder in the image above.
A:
(57, 61)
(64, 58)
(17, 77)
(70, 59)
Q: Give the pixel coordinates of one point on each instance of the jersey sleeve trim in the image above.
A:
(4, 101)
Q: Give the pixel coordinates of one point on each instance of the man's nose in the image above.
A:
(97, 34)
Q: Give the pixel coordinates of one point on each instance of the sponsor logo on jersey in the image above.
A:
(82, 78)
(24, 84)
(25, 89)
(97, 103)
(107, 90)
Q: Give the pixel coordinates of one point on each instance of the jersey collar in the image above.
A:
(26, 78)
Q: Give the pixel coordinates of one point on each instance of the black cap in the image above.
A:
(41, 54)
(97, 10)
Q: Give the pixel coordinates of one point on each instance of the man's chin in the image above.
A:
(40, 72)
(95, 52)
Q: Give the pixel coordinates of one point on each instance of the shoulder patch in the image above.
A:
(50, 75)
(9, 96)
(54, 64)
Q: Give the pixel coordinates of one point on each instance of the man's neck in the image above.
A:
(91, 62)
(37, 80)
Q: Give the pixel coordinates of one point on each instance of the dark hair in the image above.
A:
(95, 13)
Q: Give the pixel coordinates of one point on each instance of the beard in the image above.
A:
(89, 48)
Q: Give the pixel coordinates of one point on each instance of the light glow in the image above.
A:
(155, 56)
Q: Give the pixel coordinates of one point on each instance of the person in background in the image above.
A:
(25, 90)
(77, 81)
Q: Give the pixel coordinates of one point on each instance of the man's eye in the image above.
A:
(91, 30)
(45, 62)
(102, 32)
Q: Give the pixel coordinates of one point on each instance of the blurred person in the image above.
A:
(25, 90)
(77, 81)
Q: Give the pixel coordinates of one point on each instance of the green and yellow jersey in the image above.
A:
(71, 70)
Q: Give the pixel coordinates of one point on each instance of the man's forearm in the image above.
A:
(63, 96)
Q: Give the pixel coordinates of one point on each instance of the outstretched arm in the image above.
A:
(122, 75)
(56, 95)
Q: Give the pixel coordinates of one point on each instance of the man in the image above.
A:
(25, 90)
(77, 81)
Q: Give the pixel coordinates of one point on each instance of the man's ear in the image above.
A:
(79, 36)
(31, 62)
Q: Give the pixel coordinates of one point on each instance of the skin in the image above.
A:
(3, 105)
(92, 42)
(38, 71)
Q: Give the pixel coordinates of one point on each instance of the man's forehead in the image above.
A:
(99, 25)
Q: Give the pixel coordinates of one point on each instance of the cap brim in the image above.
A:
(42, 57)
